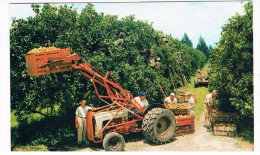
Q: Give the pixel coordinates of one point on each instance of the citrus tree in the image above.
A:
(232, 67)
(127, 47)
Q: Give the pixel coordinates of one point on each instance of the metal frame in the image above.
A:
(121, 98)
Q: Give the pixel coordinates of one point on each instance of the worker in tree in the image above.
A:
(80, 121)
(120, 41)
(191, 103)
(141, 100)
(209, 108)
(170, 99)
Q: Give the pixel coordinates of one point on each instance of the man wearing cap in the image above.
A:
(80, 120)
(141, 100)
(170, 99)
(191, 103)
(210, 107)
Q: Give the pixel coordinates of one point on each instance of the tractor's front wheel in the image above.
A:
(114, 142)
(159, 125)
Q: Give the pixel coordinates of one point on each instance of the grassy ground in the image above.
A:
(33, 117)
(200, 92)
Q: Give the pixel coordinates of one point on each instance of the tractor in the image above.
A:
(120, 115)
(202, 79)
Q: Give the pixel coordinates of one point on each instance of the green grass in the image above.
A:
(31, 148)
(32, 117)
(14, 122)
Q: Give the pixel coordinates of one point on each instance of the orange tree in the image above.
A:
(232, 69)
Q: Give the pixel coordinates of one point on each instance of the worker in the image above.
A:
(80, 121)
(170, 99)
(199, 71)
(209, 108)
(141, 100)
(191, 103)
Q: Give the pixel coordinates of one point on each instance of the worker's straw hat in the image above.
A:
(214, 92)
(172, 94)
(188, 93)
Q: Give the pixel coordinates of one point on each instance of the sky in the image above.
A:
(175, 18)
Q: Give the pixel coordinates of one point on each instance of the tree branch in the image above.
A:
(38, 112)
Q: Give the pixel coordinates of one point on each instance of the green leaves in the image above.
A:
(232, 63)
(92, 36)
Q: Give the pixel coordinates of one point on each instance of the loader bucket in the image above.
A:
(42, 63)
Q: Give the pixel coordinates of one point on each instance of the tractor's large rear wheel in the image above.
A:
(114, 142)
(159, 125)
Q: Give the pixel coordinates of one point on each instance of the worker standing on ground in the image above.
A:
(170, 99)
(210, 107)
(80, 121)
(191, 103)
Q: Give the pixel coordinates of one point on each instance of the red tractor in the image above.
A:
(122, 115)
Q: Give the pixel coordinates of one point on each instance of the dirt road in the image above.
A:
(201, 140)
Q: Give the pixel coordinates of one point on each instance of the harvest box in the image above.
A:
(185, 129)
(36, 62)
(224, 129)
(223, 118)
(185, 121)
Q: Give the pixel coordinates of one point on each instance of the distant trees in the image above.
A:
(186, 40)
(202, 46)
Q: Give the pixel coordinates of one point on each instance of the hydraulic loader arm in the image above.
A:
(62, 60)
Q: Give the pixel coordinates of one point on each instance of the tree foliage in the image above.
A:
(186, 40)
(94, 35)
(202, 46)
(232, 66)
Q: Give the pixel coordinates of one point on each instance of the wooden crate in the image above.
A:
(224, 129)
(185, 129)
(35, 62)
(185, 121)
(180, 111)
(223, 118)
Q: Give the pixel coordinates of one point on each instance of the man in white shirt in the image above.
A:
(141, 100)
(209, 107)
(191, 103)
(80, 120)
(170, 99)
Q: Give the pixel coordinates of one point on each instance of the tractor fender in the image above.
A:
(150, 107)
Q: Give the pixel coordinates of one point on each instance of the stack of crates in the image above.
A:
(224, 124)
(185, 125)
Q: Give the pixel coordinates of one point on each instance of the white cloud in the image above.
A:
(175, 18)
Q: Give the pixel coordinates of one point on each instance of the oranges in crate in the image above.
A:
(42, 49)
(183, 116)
(178, 106)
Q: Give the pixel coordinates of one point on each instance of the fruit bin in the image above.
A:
(223, 118)
(187, 120)
(224, 129)
(180, 111)
(35, 62)
(185, 129)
